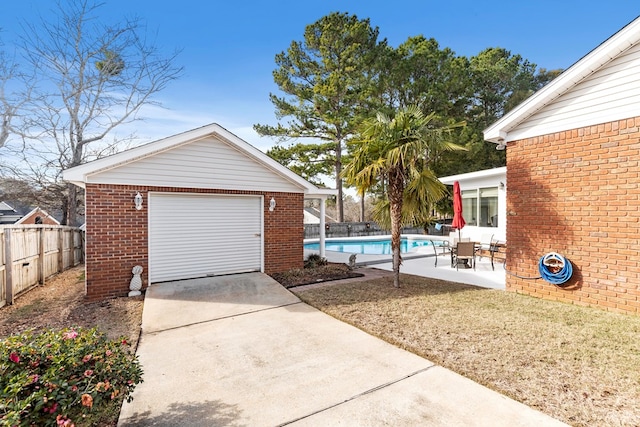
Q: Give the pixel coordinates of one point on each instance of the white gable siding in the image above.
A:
(611, 93)
(205, 163)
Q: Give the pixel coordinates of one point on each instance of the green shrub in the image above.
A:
(314, 260)
(56, 378)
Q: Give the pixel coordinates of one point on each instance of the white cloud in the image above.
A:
(158, 122)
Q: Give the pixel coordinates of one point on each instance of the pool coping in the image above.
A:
(379, 237)
(372, 259)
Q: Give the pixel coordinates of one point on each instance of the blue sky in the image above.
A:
(228, 48)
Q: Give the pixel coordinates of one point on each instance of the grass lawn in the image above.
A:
(580, 365)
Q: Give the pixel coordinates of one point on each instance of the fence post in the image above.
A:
(60, 251)
(83, 249)
(41, 257)
(8, 266)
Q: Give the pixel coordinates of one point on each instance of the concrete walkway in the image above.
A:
(243, 351)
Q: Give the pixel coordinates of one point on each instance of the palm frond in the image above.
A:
(399, 150)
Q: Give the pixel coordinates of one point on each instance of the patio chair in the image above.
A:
(465, 251)
(448, 245)
(453, 245)
(435, 251)
(452, 236)
(486, 242)
(498, 251)
(443, 245)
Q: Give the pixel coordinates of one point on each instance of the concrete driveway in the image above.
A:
(243, 351)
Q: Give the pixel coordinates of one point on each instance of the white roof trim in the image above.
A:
(449, 180)
(79, 174)
(608, 50)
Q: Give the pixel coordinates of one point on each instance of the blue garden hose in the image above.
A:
(555, 269)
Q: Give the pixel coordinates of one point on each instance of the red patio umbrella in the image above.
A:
(458, 220)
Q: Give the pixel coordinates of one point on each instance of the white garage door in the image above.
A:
(195, 235)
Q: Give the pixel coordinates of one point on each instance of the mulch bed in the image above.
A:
(307, 276)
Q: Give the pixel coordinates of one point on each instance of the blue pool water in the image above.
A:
(368, 247)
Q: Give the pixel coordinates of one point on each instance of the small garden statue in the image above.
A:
(136, 281)
(352, 261)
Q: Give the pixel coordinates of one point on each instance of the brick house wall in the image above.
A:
(117, 234)
(283, 232)
(577, 193)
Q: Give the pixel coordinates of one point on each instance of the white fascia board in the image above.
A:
(449, 180)
(73, 181)
(608, 50)
(320, 193)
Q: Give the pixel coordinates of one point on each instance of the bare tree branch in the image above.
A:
(9, 103)
(91, 78)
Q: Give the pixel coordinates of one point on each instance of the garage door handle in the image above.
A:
(257, 235)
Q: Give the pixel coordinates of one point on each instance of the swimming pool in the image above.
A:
(370, 246)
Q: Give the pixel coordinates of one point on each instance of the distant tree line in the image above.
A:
(342, 74)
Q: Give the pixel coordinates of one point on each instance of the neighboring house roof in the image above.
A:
(209, 153)
(37, 212)
(601, 87)
(8, 215)
(5, 207)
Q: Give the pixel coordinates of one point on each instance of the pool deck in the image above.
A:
(422, 263)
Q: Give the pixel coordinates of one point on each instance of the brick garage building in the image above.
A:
(573, 173)
(199, 203)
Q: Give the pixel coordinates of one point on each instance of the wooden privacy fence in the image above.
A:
(31, 253)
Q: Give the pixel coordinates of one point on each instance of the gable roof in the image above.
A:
(80, 175)
(501, 130)
(5, 207)
(8, 215)
(35, 211)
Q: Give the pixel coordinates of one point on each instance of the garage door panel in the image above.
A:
(197, 235)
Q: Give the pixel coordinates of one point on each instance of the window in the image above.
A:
(480, 207)
(470, 206)
(488, 207)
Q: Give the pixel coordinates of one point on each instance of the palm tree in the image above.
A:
(398, 151)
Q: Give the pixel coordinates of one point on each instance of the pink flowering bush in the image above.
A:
(56, 378)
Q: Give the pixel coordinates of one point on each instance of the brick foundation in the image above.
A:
(117, 235)
(577, 193)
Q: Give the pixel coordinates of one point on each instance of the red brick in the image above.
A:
(117, 234)
(577, 193)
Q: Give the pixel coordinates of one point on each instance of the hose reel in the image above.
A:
(554, 268)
